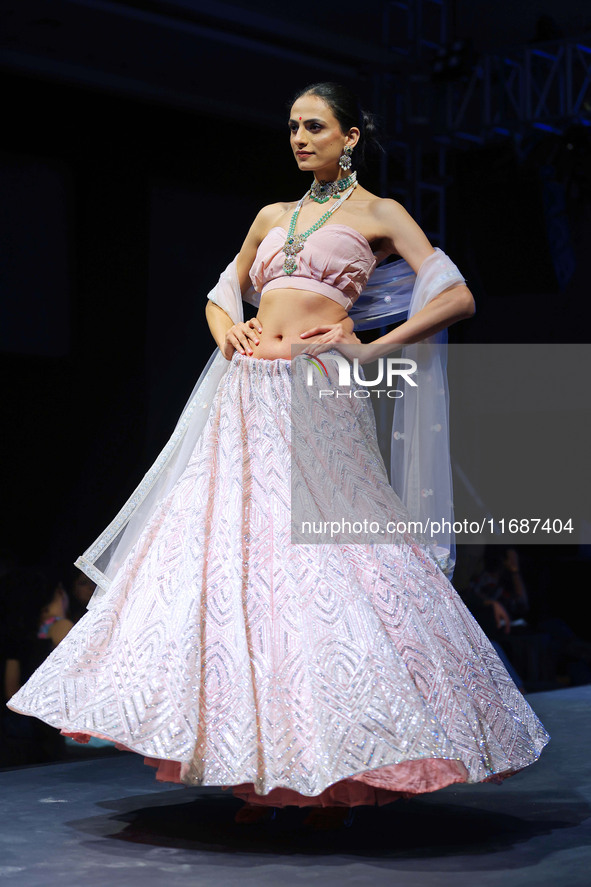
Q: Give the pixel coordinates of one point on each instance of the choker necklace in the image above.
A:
(295, 242)
(322, 191)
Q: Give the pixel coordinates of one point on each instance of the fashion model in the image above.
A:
(328, 674)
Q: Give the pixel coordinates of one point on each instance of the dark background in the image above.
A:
(138, 141)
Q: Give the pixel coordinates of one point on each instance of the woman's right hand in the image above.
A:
(239, 337)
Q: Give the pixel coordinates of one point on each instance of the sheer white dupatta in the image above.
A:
(105, 556)
(422, 462)
(420, 454)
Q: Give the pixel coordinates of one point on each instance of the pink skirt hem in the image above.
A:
(373, 787)
(370, 788)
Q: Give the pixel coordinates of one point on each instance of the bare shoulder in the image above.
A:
(385, 213)
(264, 220)
(401, 234)
(270, 213)
(388, 211)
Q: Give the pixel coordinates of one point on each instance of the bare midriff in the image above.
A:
(285, 313)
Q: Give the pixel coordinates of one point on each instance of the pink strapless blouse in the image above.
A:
(336, 261)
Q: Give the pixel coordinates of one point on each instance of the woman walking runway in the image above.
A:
(326, 675)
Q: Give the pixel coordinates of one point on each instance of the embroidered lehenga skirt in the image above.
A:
(328, 673)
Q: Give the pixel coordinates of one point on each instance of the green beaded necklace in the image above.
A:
(295, 242)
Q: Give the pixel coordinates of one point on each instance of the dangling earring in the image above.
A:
(345, 158)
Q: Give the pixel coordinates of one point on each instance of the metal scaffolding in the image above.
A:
(414, 168)
(501, 95)
(543, 86)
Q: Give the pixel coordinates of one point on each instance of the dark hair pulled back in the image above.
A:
(345, 106)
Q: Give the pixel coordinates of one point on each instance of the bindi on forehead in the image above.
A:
(310, 120)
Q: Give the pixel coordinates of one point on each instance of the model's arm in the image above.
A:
(229, 336)
(402, 236)
(407, 239)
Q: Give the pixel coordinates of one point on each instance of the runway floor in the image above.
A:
(107, 822)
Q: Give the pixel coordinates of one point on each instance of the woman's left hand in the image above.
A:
(331, 335)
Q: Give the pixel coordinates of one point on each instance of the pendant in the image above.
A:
(293, 244)
(321, 192)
